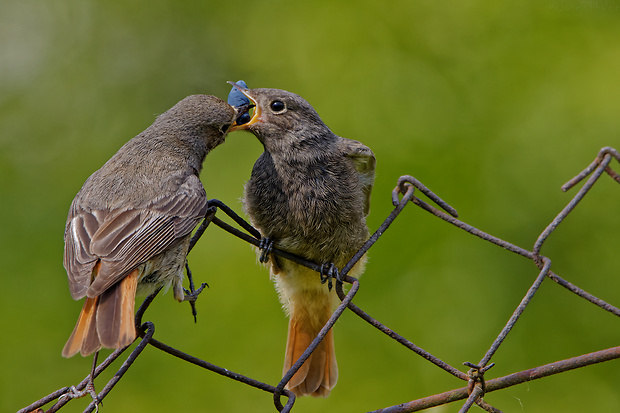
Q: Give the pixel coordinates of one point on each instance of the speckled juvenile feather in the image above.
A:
(310, 194)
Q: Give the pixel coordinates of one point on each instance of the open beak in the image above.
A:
(243, 111)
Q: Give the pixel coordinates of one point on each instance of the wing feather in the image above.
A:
(122, 239)
(365, 162)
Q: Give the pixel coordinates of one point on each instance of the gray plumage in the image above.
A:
(310, 189)
(310, 193)
(138, 211)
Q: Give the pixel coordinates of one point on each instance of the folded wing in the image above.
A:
(122, 239)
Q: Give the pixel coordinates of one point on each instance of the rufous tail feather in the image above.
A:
(105, 321)
(84, 338)
(115, 315)
(319, 374)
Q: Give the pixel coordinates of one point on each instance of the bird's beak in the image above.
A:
(242, 110)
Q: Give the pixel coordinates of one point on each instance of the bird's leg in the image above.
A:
(74, 393)
(266, 246)
(191, 295)
(328, 273)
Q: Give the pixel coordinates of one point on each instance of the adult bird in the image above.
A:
(309, 194)
(129, 227)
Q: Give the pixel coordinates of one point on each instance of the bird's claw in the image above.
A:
(328, 273)
(192, 296)
(265, 246)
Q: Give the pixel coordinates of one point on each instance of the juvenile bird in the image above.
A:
(309, 194)
(129, 227)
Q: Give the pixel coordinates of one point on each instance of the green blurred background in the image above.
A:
(492, 105)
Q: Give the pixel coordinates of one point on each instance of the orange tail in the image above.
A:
(319, 374)
(84, 337)
(106, 321)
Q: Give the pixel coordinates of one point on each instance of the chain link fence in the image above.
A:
(475, 384)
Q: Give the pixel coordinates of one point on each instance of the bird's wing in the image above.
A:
(122, 239)
(364, 161)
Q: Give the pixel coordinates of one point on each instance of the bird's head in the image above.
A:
(279, 116)
(199, 116)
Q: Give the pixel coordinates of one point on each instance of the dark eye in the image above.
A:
(224, 128)
(277, 106)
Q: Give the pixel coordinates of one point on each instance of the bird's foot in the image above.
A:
(192, 294)
(265, 246)
(328, 273)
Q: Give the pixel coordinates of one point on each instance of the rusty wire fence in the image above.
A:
(475, 385)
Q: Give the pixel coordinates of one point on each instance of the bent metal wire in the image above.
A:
(476, 386)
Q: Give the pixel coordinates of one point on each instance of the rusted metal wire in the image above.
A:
(602, 166)
(506, 381)
(604, 155)
(204, 364)
(332, 320)
(65, 390)
(517, 250)
(517, 313)
(477, 384)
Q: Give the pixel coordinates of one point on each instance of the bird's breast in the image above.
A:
(312, 209)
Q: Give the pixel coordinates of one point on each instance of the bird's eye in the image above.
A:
(277, 106)
(224, 128)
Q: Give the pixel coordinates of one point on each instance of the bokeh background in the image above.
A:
(493, 105)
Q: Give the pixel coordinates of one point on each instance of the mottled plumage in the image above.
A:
(310, 194)
(128, 228)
